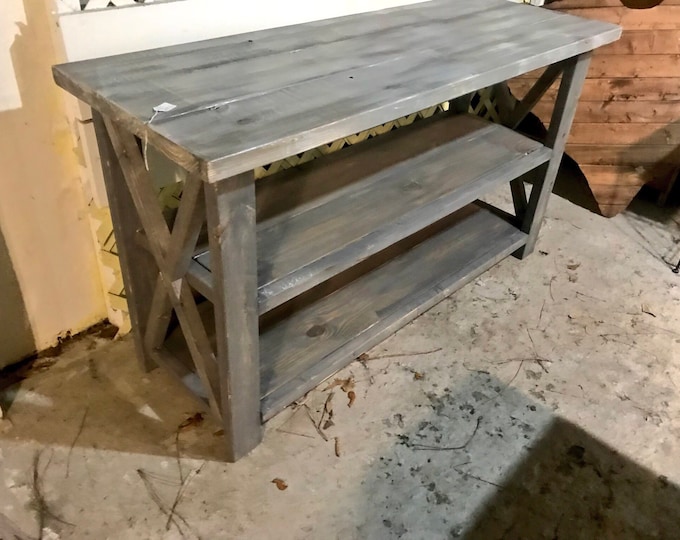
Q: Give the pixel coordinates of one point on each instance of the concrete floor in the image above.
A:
(541, 401)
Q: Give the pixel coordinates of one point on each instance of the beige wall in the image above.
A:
(42, 209)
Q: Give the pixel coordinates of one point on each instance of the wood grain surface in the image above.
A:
(246, 100)
(342, 208)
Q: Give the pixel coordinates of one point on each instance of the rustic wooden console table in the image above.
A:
(269, 287)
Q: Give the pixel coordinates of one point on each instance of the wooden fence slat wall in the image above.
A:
(626, 132)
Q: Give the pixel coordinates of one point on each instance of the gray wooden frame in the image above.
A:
(231, 374)
(220, 193)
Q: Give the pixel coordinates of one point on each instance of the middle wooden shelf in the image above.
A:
(327, 215)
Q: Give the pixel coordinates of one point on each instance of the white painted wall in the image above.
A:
(114, 31)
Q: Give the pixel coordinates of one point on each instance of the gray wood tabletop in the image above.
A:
(250, 99)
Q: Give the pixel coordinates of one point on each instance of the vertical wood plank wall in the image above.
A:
(627, 127)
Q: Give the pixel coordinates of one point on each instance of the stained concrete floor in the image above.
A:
(540, 401)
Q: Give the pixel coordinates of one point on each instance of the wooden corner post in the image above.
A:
(230, 208)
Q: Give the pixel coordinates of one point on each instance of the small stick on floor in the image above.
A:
(38, 499)
(311, 419)
(401, 355)
(153, 494)
(461, 447)
(180, 494)
(75, 440)
(326, 410)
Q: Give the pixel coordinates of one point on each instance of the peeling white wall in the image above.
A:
(42, 217)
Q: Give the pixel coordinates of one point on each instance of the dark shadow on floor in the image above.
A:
(95, 396)
(486, 461)
(571, 486)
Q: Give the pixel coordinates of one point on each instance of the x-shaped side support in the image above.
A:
(172, 251)
(573, 70)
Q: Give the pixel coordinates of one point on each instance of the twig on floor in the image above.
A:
(326, 410)
(466, 474)
(540, 316)
(311, 419)
(153, 495)
(550, 287)
(180, 494)
(482, 371)
(632, 346)
(505, 387)
(178, 458)
(439, 448)
(538, 359)
(38, 498)
(75, 440)
(578, 293)
(294, 433)
(661, 328)
(401, 355)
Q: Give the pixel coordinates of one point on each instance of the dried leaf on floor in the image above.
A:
(328, 423)
(418, 376)
(647, 311)
(337, 447)
(316, 426)
(348, 384)
(193, 420)
(363, 357)
(351, 396)
(573, 266)
(327, 410)
(280, 484)
(344, 384)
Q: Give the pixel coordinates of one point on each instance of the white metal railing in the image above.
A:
(75, 6)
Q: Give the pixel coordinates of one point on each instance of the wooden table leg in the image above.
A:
(137, 265)
(573, 76)
(230, 207)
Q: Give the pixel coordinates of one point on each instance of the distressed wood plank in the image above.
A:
(663, 17)
(381, 191)
(645, 42)
(627, 66)
(606, 175)
(636, 66)
(363, 313)
(605, 154)
(230, 209)
(560, 5)
(232, 119)
(618, 112)
(628, 134)
(616, 89)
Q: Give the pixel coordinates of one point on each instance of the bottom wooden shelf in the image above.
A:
(309, 338)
